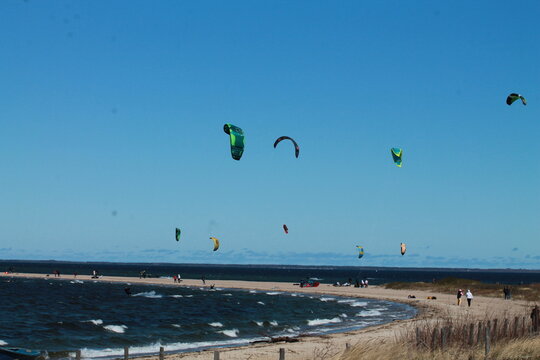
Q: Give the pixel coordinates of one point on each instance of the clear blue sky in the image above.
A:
(119, 106)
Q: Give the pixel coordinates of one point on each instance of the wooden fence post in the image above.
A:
(347, 346)
(216, 355)
(524, 325)
(487, 338)
(161, 353)
(494, 333)
(479, 335)
(281, 354)
(417, 337)
(126, 352)
(505, 328)
(78, 355)
(471, 334)
(443, 337)
(434, 339)
(516, 323)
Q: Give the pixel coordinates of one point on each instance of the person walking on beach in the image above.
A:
(203, 280)
(469, 297)
(459, 295)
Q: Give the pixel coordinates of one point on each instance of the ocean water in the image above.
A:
(287, 273)
(64, 315)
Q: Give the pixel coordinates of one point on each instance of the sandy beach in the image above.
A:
(312, 347)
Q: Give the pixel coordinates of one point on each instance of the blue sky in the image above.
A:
(119, 107)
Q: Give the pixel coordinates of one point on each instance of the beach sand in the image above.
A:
(315, 347)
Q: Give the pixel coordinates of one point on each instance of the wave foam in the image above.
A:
(323, 321)
(359, 304)
(119, 329)
(2, 342)
(259, 323)
(149, 294)
(274, 323)
(152, 348)
(327, 299)
(230, 333)
(260, 303)
(369, 313)
(273, 293)
(176, 296)
(216, 324)
(95, 322)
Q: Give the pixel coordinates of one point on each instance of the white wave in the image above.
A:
(259, 323)
(227, 294)
(323, 321)
(343, 315)
(327, 299)
(76, 282)
(152, 348)
(261, 303)
(176, 325)
(358, 303)
(273, 293)
(177, 296)
(189, 295)
(252, 291)
(120, 329)
(346, 301)
(274, 323)
(95, 322)
(216, 324)
(2, 342)
(149, 294)
(230, 333)
(293, 294)
(369, 313)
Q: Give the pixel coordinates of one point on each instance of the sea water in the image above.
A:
(100, 318)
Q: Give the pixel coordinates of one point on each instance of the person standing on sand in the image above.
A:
(469, 297)
(459, 295)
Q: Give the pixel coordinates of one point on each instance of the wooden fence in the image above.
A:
(484, 333)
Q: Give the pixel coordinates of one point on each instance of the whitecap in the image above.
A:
(176, 325)
(2, 342)
(261, 303)
(369, 313)
(216, 324)
(95, 322)
(259, 323)
(149, 294)
(120, 329)
(345, 301)
(230, 333)
(316, 322)
(177, 296)
(252, 291)
(343, 315)
(151, 348)
(327, 299)
(358, 303)
(274, 323)
(273, 293)
(189, 295)
(227, 294)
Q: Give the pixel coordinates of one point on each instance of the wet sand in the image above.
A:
(310, 347)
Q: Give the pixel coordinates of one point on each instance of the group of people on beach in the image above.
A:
(468, 295)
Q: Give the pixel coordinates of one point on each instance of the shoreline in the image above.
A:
(309, 345)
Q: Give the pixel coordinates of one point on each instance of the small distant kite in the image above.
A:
(360, 251)
(296, 147)
(286, 229)
(397, 154)
(178, 233)
(513, 97)
(216, 242)
(403, 249)
(237, 140)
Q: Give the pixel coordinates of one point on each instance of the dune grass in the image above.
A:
(529, 292)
